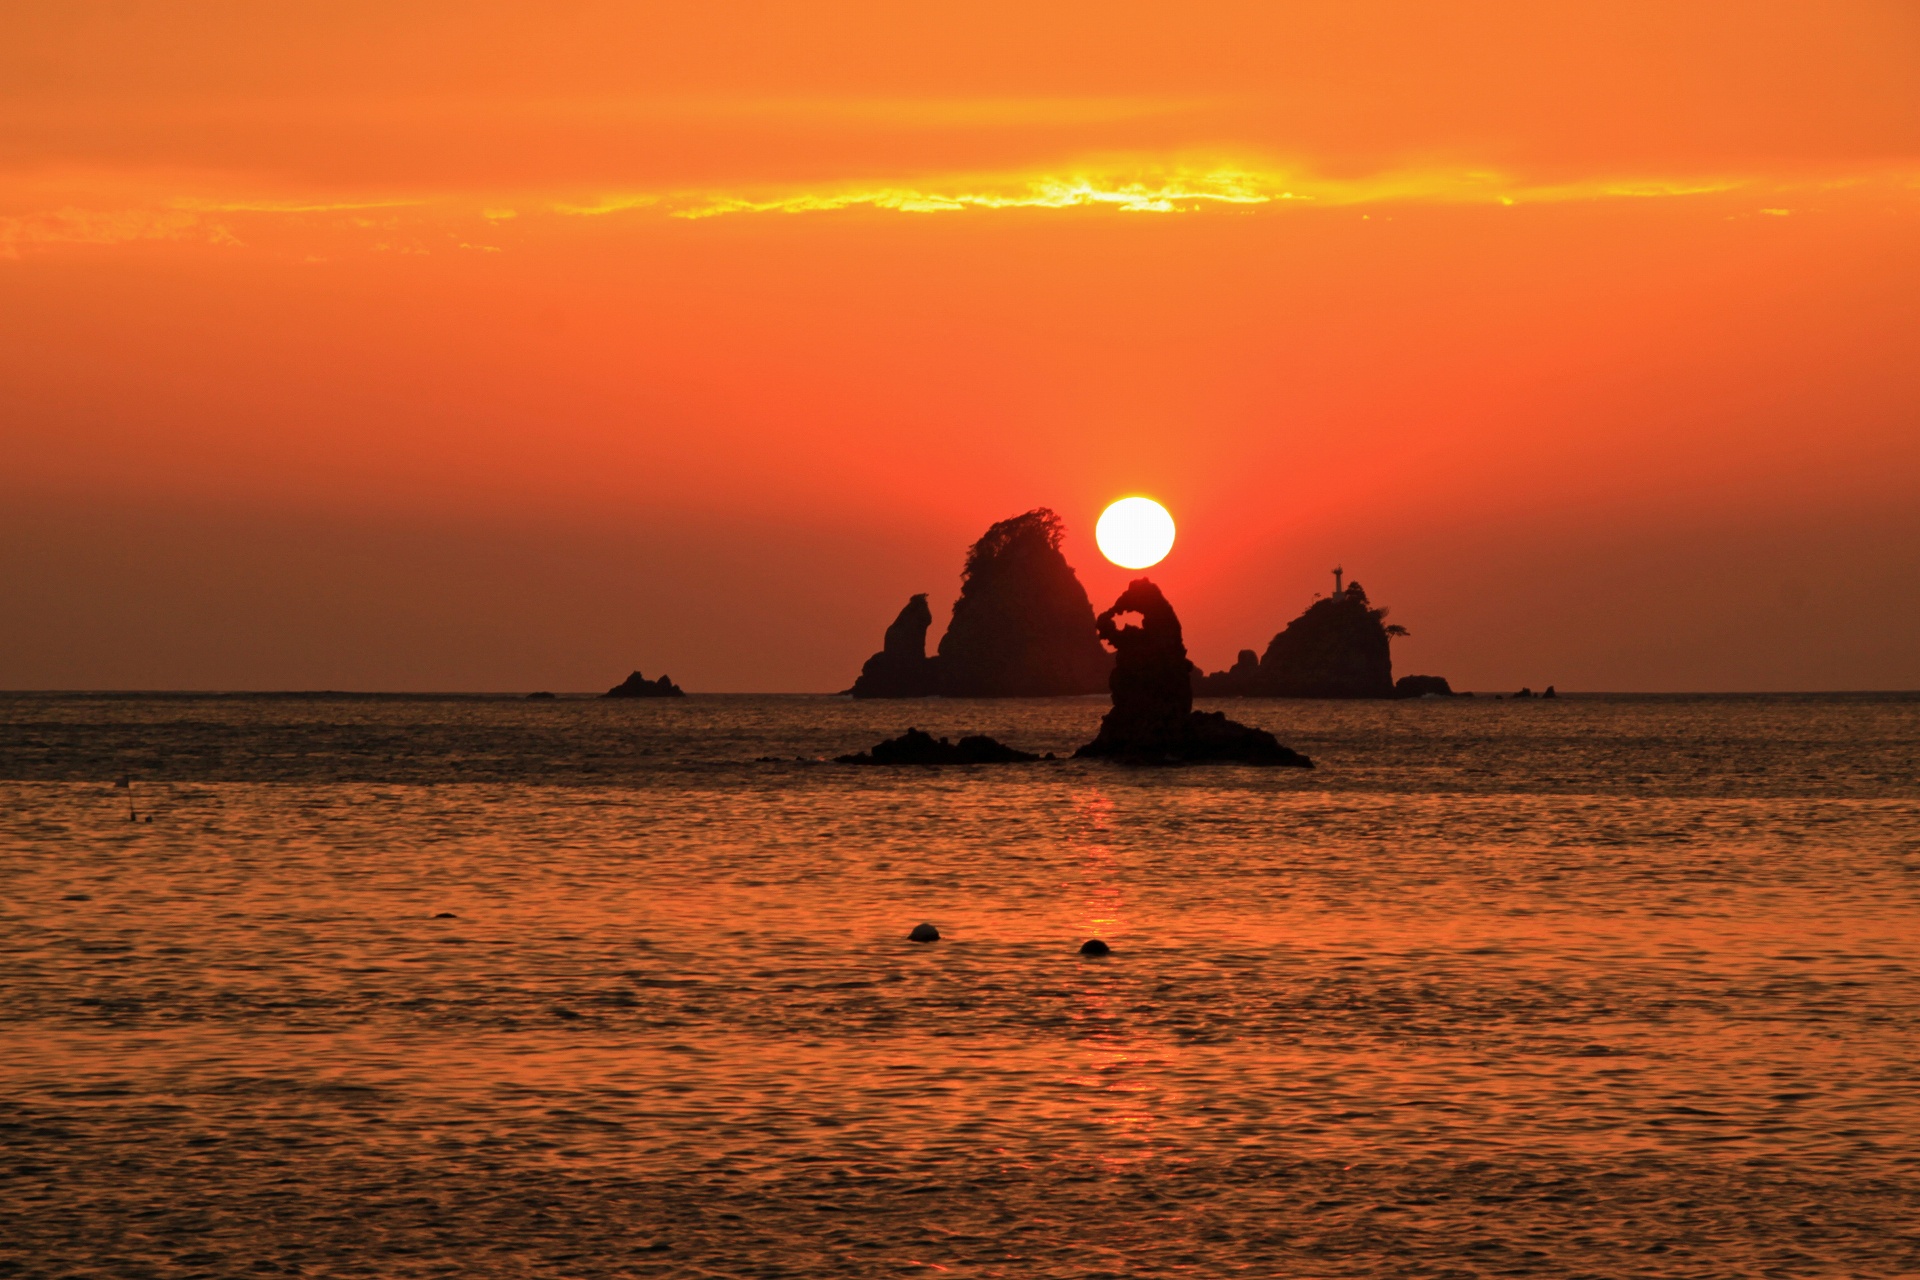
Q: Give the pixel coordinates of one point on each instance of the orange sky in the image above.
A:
(474, 346)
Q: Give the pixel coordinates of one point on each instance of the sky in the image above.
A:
(478, 346)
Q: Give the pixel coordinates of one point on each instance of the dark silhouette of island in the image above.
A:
(1340, 647)
(902, 668)
(1153, 720)
(638, 686)
(918, 747)
(1022, 627)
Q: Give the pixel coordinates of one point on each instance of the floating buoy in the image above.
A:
(924, 933)
(1095, 947)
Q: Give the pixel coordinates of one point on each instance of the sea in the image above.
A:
(486, 986)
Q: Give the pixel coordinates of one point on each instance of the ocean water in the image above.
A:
(463, 986)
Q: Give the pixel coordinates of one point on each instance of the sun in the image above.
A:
(1134, 533)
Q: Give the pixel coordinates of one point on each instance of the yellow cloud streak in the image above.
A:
(1177, 190)
(157, 214)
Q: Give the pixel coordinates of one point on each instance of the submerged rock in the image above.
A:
(638, 686)
(1023, 626)
(1095, 947)
(924, 933)
(902, 668)
(1153, 720)
(921, 748)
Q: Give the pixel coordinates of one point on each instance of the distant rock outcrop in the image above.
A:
(902, 668)
(638, 686)
(1153, 720)
(918, 747)
(1340, 647)
(1022, 627)
(1422, 687)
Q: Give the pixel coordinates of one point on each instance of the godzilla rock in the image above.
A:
(638, 686)
(1023, 626)
(902, 668)
(1422, 687)
(1340, 647)
(918, 747)
(1153, 720)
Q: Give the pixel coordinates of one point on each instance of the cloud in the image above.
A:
(1165, 189)
(76, 226)
(107, 209)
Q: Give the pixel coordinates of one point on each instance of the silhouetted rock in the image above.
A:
(917, 747)
(924, 933)
(1153, 720)
(1095, 947)
(1245, 671)
(902, 668)
(1525, 692)
(1023, 626)
(638, 686)
(1422, 687)
(1549, 693)
(1340, 647)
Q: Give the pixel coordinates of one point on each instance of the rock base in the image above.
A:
(916, 747)
(1210, 738)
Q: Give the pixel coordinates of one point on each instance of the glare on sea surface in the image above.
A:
(1134, 533)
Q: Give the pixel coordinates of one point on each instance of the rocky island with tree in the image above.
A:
(1341, 646)
(1022, 627)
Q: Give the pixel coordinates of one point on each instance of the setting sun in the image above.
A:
(1135, 533)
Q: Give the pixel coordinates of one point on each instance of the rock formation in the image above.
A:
(1422, 687)
(902, 668)
(1153, 720)
(1022, 627)
(918, 747)
(638, 686)
(1339, 648)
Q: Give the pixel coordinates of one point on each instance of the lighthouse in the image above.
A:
(1337, 588)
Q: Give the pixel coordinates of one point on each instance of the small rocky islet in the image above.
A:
(638, 686)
